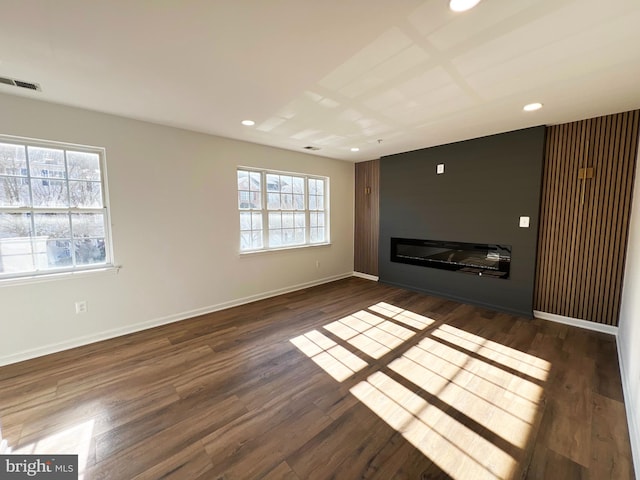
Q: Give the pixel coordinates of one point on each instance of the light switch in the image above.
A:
(440, 168)
(524, 222)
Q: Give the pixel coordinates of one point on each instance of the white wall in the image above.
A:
(175, 231)
(629, 327)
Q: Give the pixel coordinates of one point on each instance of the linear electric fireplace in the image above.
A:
(483, 259)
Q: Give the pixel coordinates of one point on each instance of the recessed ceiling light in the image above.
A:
(248, 123)
(462, 5)
(355, 149)
(532, 107)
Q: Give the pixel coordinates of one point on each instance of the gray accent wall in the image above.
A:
(488, 184)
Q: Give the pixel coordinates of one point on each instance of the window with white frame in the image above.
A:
(53, 211)
(281, 210)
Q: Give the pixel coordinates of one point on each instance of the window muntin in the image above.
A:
(281, 210)
(53, 215)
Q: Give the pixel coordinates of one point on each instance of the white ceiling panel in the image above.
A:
(382, 76)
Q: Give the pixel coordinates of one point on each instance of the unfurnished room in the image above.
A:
(291, 239)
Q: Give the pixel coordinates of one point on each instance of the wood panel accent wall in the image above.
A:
(584, 222)
(367, 215)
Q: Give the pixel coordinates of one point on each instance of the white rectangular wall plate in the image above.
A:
(81, 306)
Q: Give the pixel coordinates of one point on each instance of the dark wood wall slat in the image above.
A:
(546, 257)
(592, 209)
(574, 212)
(558, 209)
(361, 219)
(626, 186)
(609, 218)
(584, 227)
(571, 210)
(553, 208)
(367, 191)
(600, 140)
(558, 179)
(375, 214)
(616, 196)
(582, 200)
(608, 135)
(559, 273)
(600, 220)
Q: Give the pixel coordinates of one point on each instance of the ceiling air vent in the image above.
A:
(311, 147)
(20, 83)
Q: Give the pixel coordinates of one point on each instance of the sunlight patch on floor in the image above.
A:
(451, 445)
(466, 402)
(369, 333)
(334, 359)
(522, 362)
(454, 382)
(412, 319)
(74, 440)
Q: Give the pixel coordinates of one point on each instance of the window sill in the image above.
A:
(283, 249)
(52, 277)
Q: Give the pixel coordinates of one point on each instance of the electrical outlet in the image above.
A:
(81, 306)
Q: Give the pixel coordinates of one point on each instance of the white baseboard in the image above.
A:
(117, 332)
(576, 322)
(366, 276)
(632, 418)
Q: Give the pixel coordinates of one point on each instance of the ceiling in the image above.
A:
(383, 76)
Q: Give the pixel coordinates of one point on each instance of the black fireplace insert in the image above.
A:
(482, 259)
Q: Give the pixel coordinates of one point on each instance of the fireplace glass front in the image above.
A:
(482, 259)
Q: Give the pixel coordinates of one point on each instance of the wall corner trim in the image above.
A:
(576, 322)
(632, 418)
(366, 276)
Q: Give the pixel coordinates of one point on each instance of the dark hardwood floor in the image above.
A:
(347, 380)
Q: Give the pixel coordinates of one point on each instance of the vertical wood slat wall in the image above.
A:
(584, 224)
(367, 217)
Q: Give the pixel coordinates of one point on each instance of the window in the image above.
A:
(53, 214)
(280, 210)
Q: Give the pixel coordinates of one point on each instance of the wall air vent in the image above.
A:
(311, 147)
(20, 83)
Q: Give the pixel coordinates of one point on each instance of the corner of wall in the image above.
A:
(632, 419)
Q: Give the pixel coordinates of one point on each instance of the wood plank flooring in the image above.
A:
(347, 380)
